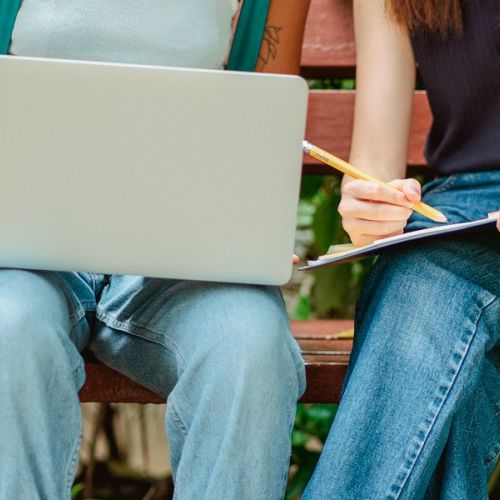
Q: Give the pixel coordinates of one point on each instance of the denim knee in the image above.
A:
(254, 342)
(34, 326)
(420, 302)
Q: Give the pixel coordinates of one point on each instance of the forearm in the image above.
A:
(385, 85)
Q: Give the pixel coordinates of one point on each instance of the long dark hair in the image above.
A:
(442, 16)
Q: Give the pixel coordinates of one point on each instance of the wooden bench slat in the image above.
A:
(325, 348)
(324, 381)
(328, 50)
(323, 329)
(105, 385)
(326, 364)
(329, 125)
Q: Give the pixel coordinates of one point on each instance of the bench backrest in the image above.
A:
(329, 52)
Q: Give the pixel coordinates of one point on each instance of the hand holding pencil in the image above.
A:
(370, 208)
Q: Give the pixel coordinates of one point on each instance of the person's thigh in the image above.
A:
(30, 301)
(428, 319)
(426, 324)
(42, 329)
(151, 328)
(225, 358)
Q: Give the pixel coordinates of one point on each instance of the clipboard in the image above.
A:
(341, 254)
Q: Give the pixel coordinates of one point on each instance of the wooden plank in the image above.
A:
(105, 385)
(318, 347)
(328, 50)
(329, 125)
(323, 329)
(326, 362)
(324, 382)
(325, 375)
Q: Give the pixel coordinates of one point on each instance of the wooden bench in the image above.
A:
(326, 363)
(328, 52)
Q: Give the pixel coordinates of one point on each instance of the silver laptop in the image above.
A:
(152, 171)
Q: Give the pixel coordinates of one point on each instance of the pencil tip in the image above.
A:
(440, 217)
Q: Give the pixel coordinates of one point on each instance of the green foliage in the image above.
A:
(328, 84)
(303, 309)
(312, 425)
(76, 490)
(335, 289)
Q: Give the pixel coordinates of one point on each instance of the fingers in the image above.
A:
(411, 188)
(373, 228)
(497, 216)
(295, 259)
(377, 211)
(371, 211)
(362, 240)
(365, 190)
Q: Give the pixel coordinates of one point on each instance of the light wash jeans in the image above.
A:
(420, 413)
(223, 354)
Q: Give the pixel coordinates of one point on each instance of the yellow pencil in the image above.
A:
(347, 168)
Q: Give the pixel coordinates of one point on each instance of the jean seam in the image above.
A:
(402, 476)
(94, 283)
(88, 306)
(141, 332)
(76, 371)
(75, 319)
(71, 466)
(449, 182)
(494, 456)
(299, 365)
(77, 312)
(177, 418)
(285, 478)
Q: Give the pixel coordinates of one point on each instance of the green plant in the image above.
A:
(76, 490)
(334, 290)
(312, 425)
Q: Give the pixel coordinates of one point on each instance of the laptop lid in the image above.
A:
(152, 171)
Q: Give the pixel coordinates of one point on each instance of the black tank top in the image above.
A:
(462, 77)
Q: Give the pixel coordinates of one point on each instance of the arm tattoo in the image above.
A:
(269, 49)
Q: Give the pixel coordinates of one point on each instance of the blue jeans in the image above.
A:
(222, 354)
(420, 413)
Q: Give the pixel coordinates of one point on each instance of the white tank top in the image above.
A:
(189, 33)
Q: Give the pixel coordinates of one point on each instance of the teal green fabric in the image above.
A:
(246, 44)
(248, 36)
(8, 13)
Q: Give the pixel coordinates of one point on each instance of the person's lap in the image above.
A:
(423, 380)
(178, 318)
(136, 322)
(223, 355)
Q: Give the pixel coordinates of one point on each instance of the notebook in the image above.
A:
(340, 254)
